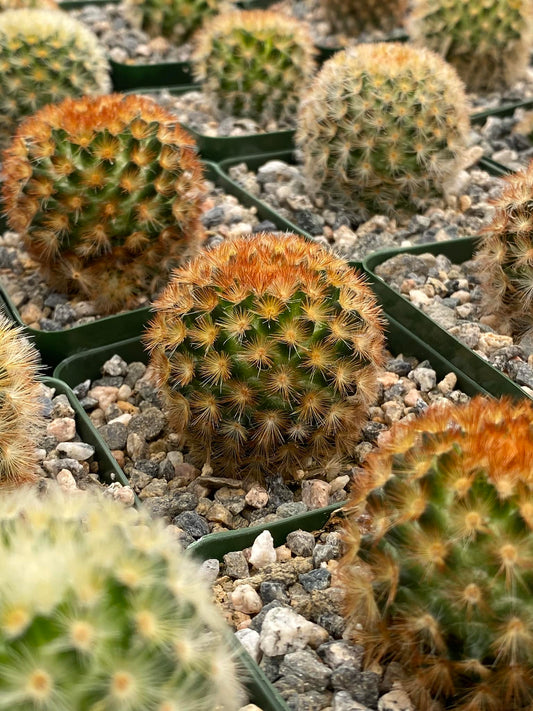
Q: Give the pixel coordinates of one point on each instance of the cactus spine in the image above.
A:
(99, 609)
(440, 555)
(107, 194)
(352, 17)
(266, 350)
(383, 127)
(487, 41)
(255, 63)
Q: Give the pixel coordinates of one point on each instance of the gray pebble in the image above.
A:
(76, 450)
(301, 543)
(236, 565)
(306, 665)
(192, 523)
(114, 434)
(317, 579)
(115, 366)
(149, 424)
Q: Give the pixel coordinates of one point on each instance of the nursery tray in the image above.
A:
(77, 4)
(462, 357)
(128, 77)
(504, 110)
(109, 469)
(55, 346)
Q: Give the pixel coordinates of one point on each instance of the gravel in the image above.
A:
(501, 139)
(451, 294)
(127, 412)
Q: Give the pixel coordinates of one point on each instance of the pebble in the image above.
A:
(315, 493)
(262, 552)
(80, 451)
(245, 599)
(250, 640)
(62, 428)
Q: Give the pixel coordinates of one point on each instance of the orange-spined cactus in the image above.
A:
(439, 569)
(107, 194)
(266, 350)
(20, 409)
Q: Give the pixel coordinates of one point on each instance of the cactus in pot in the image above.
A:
(107, 194)
(438, 569)
(383, 128)
(266, 349)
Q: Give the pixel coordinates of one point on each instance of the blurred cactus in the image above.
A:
(487, 41)
(20, 409)
(352, 17)
(18, 4)
(176, 20)
(438, 572)
(45, 56)
(383, 128)
(256, 63)
(267, 350)
(99, 609)
(107, 194)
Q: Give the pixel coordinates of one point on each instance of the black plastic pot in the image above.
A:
(128, 77)
(55, 346)
(504, 110)
(462, 357)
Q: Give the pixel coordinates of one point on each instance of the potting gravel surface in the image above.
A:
(63, 455)
(451, 295)
(285, 604)
(125, 407)
(42, 308)
(283, 187)
(503, 142)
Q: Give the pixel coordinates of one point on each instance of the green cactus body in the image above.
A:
(45, 56)
(266, 350)
(439, 568)
(175, 19)
(352, 17)
(487, 41)
(382, 128)
(101, 610)
(107, 194)
(256, 63)
(20, 409)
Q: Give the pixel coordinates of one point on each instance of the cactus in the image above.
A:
(266, 351)
(107, 194)
(20, 410)
(505, 251)
(352, 17)
(18, 4)
(438, 569)
(175, 19)
(487, 41)
(45, 56)
(255, 63)
(382, 128)
(99, 609)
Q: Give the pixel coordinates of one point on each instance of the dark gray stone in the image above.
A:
(135, 371)
(363, 686)
(317, 579)
(115, 435)
(81, 390)
(192, 523)
(306, 665)
(273, 590)
(257, 621)
(149, 424)
(301, 543)
(236, 565)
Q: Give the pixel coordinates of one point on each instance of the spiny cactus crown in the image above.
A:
(352, 17)
(487, 41)
(266, 349)
(255, 63)
(505, 253)
(175, 19)
(20, 409)
(107, 194)
(45, 56)
(382, 127)
(440, 555)
(99, 609)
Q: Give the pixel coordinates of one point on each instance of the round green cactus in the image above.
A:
(45, 56)
(255, 63)
(352, 17)
(99, 609)
(487, 41)
(267, 351)
(439, 565)
(107, 194)
(505, 253)
(175, 19)
(383, 127)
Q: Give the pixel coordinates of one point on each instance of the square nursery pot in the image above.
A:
(55, 346)
(474, 366)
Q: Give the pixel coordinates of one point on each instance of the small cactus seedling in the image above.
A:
(487, 41)
(101, 610)
(439, 566)
(107, 194)
(266, 350)
(20, 409)
(383, 127)
(352, 17)
(45, 56)
(255, 63)
(176, 20)
(505, 253)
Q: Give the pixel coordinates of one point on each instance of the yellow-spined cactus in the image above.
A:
(266, 349)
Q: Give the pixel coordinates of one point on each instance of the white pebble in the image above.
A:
(263, 552)
(245, 599)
